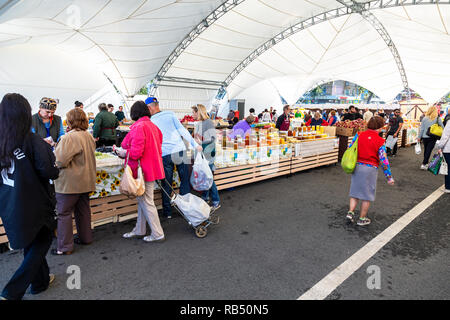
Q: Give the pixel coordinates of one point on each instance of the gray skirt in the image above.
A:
(364, 183)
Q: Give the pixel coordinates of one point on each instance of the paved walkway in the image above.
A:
(276, 240)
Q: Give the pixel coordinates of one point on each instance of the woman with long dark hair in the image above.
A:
(27, 166)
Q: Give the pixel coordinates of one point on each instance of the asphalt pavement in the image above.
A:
(276, 239)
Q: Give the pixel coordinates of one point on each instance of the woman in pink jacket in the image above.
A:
(143, 144)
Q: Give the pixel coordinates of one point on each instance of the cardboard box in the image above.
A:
(330, 131)
(346, 132)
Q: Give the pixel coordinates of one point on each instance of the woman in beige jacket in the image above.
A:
(75, 157)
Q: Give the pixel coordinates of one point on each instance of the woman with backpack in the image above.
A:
(429, 142)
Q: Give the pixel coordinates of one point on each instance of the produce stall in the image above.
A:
(107, 204)
(268, 153)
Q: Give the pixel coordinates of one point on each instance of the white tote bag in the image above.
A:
(195, 209)
(418, 149)
(444, 168)
(390, 142)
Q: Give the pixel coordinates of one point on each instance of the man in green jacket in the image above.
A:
(105, 125)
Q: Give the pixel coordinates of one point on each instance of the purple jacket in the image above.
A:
(240, 129)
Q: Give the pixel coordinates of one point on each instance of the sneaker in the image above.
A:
(132, 234)
(215, 207)
(424, 167)
(351, 216)
(447, 190)
(363, 221)
(52, 278)
(153, 239)
(3, 298)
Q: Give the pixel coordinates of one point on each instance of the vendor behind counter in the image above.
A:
(105, 125)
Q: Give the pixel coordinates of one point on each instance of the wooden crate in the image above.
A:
(346, 132)
(240, 175)
(3, 237)
(306, 163)
(106, 210)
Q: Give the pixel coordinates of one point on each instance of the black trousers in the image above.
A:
(34, 269)
(104, 143)
(429, 144)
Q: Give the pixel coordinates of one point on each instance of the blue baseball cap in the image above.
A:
(151, 100)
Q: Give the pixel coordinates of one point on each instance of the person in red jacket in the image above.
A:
(144, 145)
(316, 121)
(371, 152)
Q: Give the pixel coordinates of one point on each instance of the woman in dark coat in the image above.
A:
(27, 167)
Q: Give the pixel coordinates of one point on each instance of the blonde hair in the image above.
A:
(432, 113)
(317, 115)
(201, 110)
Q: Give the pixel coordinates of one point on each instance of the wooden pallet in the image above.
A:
(301, 164)
(231, 177)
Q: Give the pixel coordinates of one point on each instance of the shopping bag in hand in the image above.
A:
(435, 164)
(129, 186)
(418, 148)
(350, 158)
(444, 168)
(390, 142)
(202, 177)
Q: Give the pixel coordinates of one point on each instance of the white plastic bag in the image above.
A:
(444, 168)
(418, 148)
(202, 177)
(390, 142)
(195, 209)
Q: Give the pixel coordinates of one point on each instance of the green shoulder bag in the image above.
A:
(350, 158)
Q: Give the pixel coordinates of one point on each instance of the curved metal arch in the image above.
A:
(225, 7)
(379, 27)
(349, 8)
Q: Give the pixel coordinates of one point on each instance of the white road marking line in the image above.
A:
(336, 277)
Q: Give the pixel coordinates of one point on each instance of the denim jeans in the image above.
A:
(183, 172)
(34, 269)
(213, 191)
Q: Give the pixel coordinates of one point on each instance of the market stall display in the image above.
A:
(267, 153)
(411, 132)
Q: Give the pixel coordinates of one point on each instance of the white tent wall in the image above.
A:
(180, 100)
(130, 41)
(42, 71)
(127, 40)
(107, 95)
(262, 95)
(337, 49)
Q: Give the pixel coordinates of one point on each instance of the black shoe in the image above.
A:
(55, 252)
(78, 241)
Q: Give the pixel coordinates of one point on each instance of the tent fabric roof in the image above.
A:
(129, 41)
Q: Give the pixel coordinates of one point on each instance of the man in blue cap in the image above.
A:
(173, 150)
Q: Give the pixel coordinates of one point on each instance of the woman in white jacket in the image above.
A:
(444, 148)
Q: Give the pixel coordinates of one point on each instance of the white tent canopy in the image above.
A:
(261, 49)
